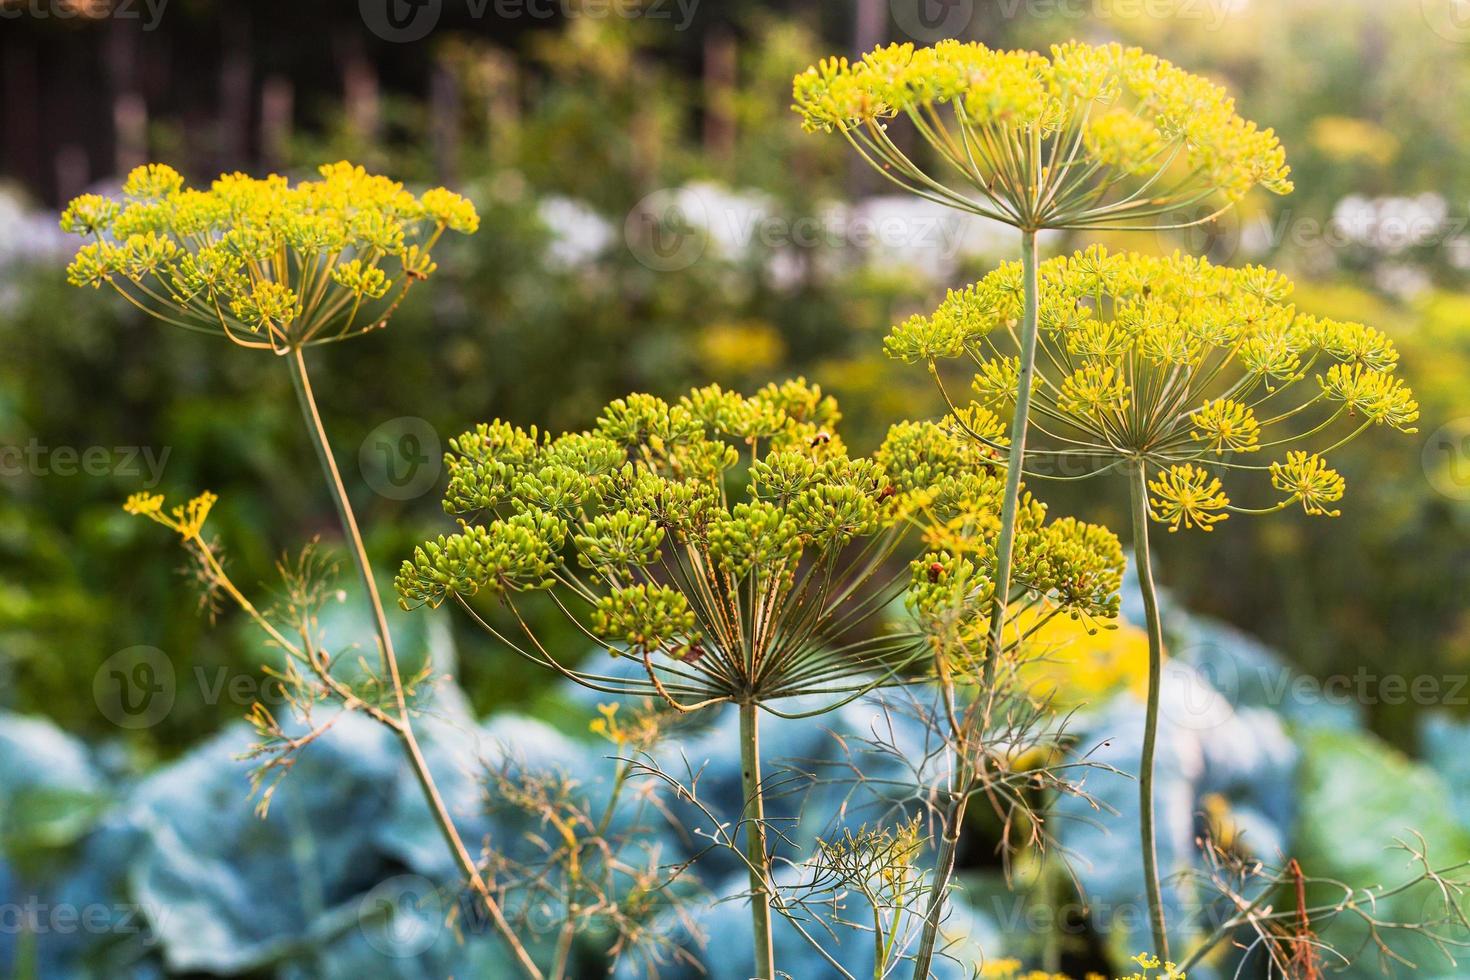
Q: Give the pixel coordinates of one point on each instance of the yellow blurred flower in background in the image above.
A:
(1073, 666)
(1343, 139)
(741, 348)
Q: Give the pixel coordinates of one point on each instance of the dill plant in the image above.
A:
(638, 522)
(1173, 372)
(279, 267)
(734, 551)
(1087, 137)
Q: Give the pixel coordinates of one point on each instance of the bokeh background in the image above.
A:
(653, 219)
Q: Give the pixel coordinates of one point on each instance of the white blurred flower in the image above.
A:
(28, 235)
(579, 234)
(1391, 224)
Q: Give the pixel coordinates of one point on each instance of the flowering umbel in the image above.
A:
(1184, 367)
(264, 262)
(186, 519)
(1092, 136)
(734, 547)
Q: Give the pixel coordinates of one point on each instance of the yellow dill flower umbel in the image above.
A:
(264, 262)
(1175, 364)
(1187, 497)
(186, 519)
(1155, 969)
(1085, 136)
(1307, 478)
(1227, 425)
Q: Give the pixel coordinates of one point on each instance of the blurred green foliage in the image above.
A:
(548, 313)
(509, 330)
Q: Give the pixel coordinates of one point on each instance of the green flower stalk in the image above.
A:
(737, 553)
(1177, 372)
(271, 265)
(1092, 137)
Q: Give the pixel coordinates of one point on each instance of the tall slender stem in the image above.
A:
(1005, 542)
(756, 854)
(307, 401)
(1151, 715)
(954, 815)
(944, 861)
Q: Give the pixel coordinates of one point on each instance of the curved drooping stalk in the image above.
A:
(756, 854)
(404, 723)
(966, 736)
(1139, 487)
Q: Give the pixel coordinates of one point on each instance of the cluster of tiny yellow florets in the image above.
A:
(186, 519)
(1010, 969)
(1115, 112)
(1066, 566)
(1155, 969)
(1187, 496)
(1181, 364)
(637, 729)
(268, 263)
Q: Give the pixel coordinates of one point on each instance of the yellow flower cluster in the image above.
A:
(1226, 425)
(638, 730)
(1308, 479)
(1043, 140)
(186, 519)
(266, 263)
(1010, 969)
(1155, 969)
(1188, 497)
(1176, 363)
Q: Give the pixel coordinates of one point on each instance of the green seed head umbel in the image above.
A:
(736, 549)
